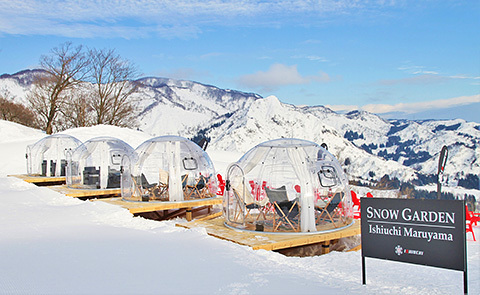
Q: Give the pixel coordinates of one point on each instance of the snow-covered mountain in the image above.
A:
(367, 146)
(415, 144)
(170, 106)
(17, 86)
(269, 119)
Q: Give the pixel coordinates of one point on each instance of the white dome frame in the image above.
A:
(96, 164)
(168, 169)
(48, 156)
(296, 173)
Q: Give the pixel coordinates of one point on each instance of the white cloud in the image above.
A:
(464, 77)
(279, 75)
(416, 70)
(163, 18)
(423, 76)
(410, 108)
(311, 58)
(420, 79)
(416, 107)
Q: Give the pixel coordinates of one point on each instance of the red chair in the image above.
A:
(258, 191)
(356, 205)
(252, 185)
(473, 217)
(469, 228)
(470, 220)
(221, 185)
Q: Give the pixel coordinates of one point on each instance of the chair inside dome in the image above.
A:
(169, 169)
(96, 163)
(287, 185)
(48, 156)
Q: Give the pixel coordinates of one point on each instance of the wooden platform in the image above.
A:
(273, 241)
(144, 207)
(86, 193)
(40, 180)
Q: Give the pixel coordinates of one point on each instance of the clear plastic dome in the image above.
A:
(96, 163)
(287, 185)
(48, 156)
(168, 168)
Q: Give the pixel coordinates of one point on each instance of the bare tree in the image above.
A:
(113, 77)
(65, 67)
(77, 111)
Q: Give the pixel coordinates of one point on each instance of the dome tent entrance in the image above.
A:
(48, 156)
(96, 163)
(287, 185)
(169, 169)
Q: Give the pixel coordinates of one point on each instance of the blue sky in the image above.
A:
(396, 58)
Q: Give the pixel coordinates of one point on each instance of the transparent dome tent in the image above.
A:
(48, 156)
(168, 169)
(96, 163)
(287, 186)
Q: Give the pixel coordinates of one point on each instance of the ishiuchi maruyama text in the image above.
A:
(409, 232)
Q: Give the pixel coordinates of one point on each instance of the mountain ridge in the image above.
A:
(367, 145)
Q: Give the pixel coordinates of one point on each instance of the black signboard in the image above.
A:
(427, 232)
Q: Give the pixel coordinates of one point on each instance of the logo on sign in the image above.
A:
(399, 250)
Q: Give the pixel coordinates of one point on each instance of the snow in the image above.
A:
(53, 244)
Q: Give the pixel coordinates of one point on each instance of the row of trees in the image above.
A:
(15, 112)
(83, 87)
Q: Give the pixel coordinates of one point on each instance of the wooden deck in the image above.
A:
(86, 193)
(273, 241)
(145, 207)
(40, 180)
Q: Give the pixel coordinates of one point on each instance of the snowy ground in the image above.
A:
(53, 244)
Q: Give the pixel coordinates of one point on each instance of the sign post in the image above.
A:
(426, 232)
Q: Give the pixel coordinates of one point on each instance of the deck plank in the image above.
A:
(38, 179)
(257, 240)
(84, 193)
(142, 207)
